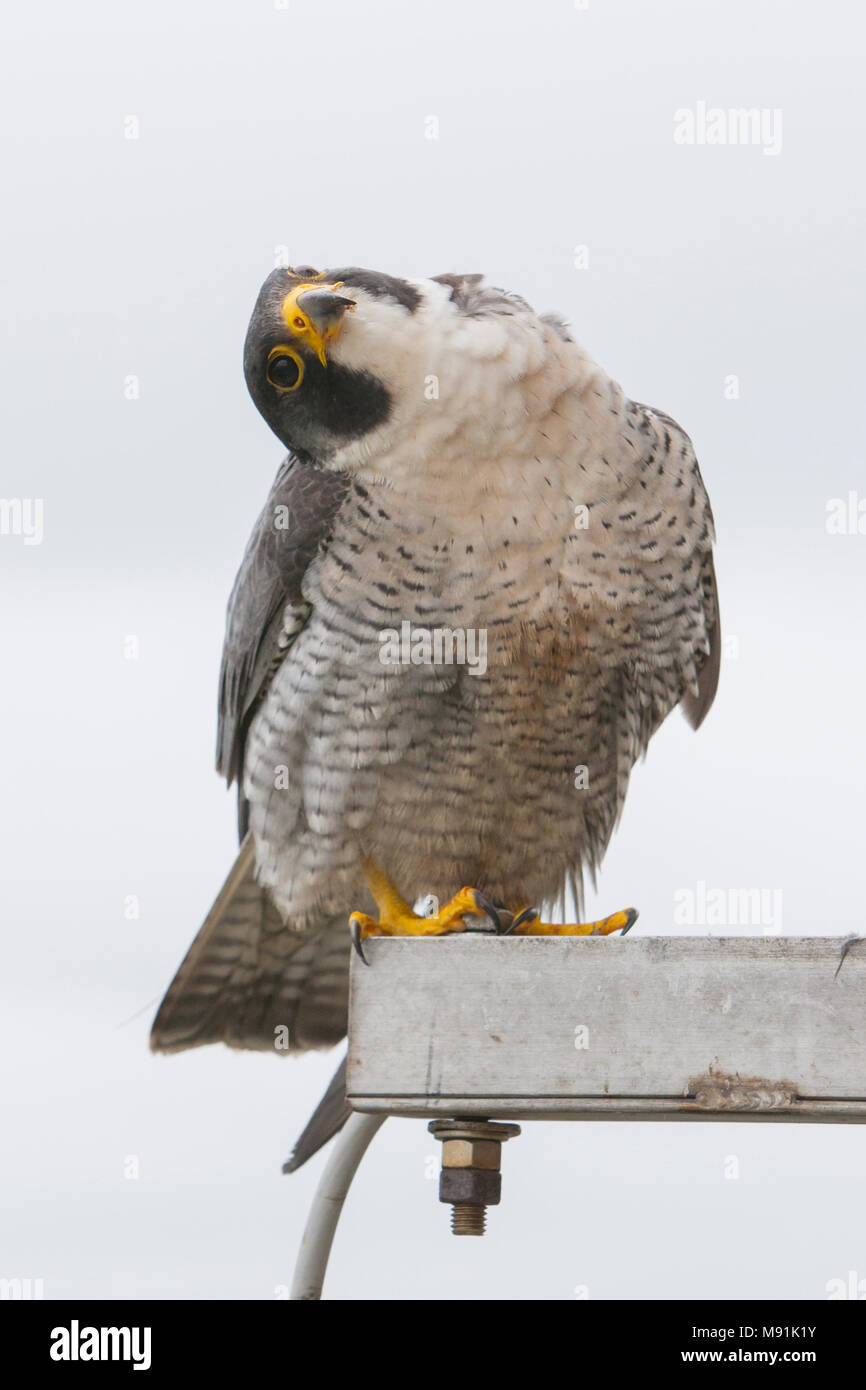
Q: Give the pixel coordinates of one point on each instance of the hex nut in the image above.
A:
(472, 1153)
(476, 1185)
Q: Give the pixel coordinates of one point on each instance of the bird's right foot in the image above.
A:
(396, 917)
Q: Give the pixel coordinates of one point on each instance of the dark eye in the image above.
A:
(285, 369)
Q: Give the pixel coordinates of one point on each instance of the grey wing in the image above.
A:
(248, 972)
(655, 641)
(266, 609)
(701, 661)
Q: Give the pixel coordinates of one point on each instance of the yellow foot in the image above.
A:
(526, 923)
(396, 917)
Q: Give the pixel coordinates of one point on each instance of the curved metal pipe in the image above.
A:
(349, 1148)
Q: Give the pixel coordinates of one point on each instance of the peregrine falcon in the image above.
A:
(482, 579)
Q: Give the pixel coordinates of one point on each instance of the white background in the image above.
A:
(305, 127)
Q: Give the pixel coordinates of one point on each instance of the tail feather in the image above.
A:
(329, 1116)
(251, 980)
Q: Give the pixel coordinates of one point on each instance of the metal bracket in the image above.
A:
(746, 1029)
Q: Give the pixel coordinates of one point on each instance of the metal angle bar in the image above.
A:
(687, 1028)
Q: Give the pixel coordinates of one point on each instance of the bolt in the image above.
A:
(470, 1181)
(467, 1220)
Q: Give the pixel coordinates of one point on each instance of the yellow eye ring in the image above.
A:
(273, 374)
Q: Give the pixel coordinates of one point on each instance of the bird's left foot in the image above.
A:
(526, 923)
(396, 917)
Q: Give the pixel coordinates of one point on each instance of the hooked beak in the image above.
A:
(314, 313)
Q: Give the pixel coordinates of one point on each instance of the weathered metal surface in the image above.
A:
(700, 1028)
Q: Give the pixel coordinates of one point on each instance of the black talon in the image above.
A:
(529, 914)
(846, 947)
(488, 907)
(632, 915)
(356, 941)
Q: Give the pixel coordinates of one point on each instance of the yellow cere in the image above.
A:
(301, 325)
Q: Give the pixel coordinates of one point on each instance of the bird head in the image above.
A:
(343, 364)
(320, 354)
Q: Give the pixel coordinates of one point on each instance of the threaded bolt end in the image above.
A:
(467, 1219)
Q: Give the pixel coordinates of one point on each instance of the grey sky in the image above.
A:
(305, 127)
